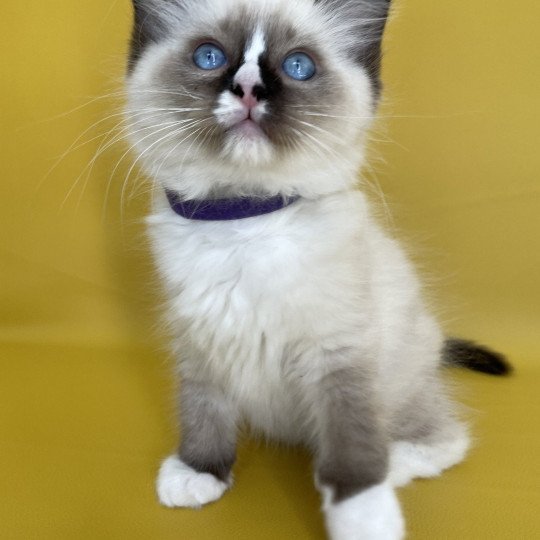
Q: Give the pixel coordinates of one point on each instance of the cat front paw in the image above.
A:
(373, 514)
(178, 485)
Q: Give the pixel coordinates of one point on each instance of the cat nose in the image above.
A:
(248, 93)
(247, 84)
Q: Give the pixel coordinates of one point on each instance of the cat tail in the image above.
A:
(467, 354)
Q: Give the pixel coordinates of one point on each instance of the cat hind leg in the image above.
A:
(426, 458)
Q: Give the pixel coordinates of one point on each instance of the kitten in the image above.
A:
(290, 309)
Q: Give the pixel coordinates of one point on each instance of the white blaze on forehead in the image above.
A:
(249, 73)
(255, 47)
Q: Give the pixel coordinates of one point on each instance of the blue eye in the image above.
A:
(299, 66)
(209, 56)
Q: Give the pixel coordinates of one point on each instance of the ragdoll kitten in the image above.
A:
(291, 310)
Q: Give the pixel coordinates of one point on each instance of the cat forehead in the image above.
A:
(266, 28)
(255, 46)
(223, 8)
(246, 20)
(252, 38)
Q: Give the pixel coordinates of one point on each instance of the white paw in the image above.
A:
(409, 460)
(373, 514)
(180, 485)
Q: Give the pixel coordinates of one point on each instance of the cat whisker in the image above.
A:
(374, 117)
(126, 179)
(127, 152)
(120, 93)
(106, 144)
(173, 149)
(353, 118)
(321, 145)
(129, 123)
(75, 145)
(169, 92)
(373, 183)
(132, 167)
(316, 145)
(317, 128)
(154, 144)
(191, 145)
(88, 167)
(340, 117)
(180, 167)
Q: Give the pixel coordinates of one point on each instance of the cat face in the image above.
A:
(251, 84)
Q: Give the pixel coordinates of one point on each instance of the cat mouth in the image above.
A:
(248, 128)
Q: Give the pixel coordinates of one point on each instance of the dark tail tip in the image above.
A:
(463, 353)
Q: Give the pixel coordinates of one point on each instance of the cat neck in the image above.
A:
(210, 181)
(226, 209)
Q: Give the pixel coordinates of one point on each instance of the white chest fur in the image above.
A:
(262, 298)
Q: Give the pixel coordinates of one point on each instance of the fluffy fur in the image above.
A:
(372, 514)
(308, 323)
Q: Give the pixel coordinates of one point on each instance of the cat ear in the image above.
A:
(365, 21)
(151, 22)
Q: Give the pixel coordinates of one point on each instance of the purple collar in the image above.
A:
(227, 209)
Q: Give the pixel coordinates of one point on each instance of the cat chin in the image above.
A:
(248, 145)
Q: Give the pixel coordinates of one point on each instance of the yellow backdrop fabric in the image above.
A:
(86, 400)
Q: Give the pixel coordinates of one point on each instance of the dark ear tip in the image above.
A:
(138, 5)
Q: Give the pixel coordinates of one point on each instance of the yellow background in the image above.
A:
(86, 401)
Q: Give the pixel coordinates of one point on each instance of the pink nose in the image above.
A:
(247, 94)
(247, 85)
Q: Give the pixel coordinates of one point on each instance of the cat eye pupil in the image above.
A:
(299, 66)
(209, 56)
